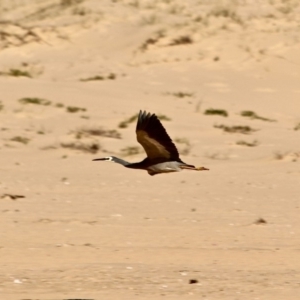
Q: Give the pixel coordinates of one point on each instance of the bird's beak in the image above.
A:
(99, 159)
(202, 169)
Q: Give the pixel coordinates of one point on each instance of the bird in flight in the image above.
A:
(162, 154)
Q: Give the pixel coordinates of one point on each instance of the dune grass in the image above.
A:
(252, 115)
(35, 100)
(97, 131)
(236, 129)
(92, 148)
(219, 112)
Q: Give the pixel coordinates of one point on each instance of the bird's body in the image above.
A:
(162, 154)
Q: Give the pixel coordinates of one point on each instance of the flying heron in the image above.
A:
(162, 154)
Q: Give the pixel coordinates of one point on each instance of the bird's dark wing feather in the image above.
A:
(154, 138)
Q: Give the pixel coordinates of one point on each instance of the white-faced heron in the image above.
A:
(162, 155)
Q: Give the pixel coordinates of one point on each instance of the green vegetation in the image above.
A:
(252, 115)
(20, 139)
(297, 127)
(244, 143)
(125, 123)
(37, 101)
(225, 12)
(236, 129)
(185, 39)
(218, 156)
(220, 112)
(66, 3)
(279, 155)
(163, 117)
(182, 141)
(111, 76)
(18, 73)
(89, 148)
(74, 109)
(152, 40)
(186, 150)
(131, 150)
(41, 101)
(149, 41)
(83, 132)
(292, 156)
(180, 94)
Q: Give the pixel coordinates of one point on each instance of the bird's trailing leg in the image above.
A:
(190, 167)
(201, 169)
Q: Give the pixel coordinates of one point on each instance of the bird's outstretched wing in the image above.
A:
(154, 138)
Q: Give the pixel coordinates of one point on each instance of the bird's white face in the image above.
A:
(109, 158)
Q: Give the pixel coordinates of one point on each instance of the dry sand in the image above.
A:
(95, 230)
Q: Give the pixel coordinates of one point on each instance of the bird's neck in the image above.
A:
(144, 164)
(121, 161)
(139, 165)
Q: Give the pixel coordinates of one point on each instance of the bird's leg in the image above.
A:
(201, 169)
(189, 167)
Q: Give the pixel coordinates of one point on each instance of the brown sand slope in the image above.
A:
(71, 72)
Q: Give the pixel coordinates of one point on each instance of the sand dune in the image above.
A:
(224, 78)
